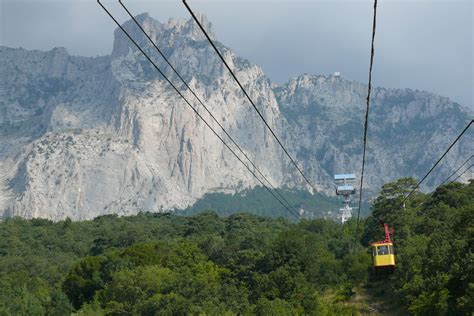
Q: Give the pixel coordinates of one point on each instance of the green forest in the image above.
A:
(245, 264)
(260, 202)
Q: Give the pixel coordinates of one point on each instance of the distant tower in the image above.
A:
(344, 187)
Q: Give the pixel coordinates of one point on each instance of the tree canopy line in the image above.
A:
(259, 202)
(242, 264)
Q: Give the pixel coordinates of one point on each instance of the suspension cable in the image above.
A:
(438, 161)
(194, 109)
(459, 176)
(455, 171)
(205, 107)
(366, 121)
(247, 95)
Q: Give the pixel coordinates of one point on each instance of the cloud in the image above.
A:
(420, 44)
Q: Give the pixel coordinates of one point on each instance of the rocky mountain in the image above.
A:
(408, 130)
(81, 137)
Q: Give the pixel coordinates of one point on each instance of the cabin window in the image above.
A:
(382, 250)
(391, 249)
(374, 251)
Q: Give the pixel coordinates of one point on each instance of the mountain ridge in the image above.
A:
(86, 136)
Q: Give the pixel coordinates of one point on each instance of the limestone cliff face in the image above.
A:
(81, 137)
(408, 130)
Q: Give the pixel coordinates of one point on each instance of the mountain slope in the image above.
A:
(83, 137)
(408, 129)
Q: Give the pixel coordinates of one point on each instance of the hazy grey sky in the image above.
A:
(420, 44)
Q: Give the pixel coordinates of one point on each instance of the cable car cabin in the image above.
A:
(383, 255)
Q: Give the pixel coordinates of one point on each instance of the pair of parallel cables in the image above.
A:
(462, 173)
(456, 171)
(369, 89)
(281, 199)
(287, 206)
(439, 160)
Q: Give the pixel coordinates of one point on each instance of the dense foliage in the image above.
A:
(260, 202)
(201, 264)
(242, 264)
(434, 239)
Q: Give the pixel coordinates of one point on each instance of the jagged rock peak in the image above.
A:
(173, 30)
(310, 81)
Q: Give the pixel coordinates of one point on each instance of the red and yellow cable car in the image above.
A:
(383, 255)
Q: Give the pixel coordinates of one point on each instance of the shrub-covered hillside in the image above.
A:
(434, 238)
(259, 202)
(161, 264)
